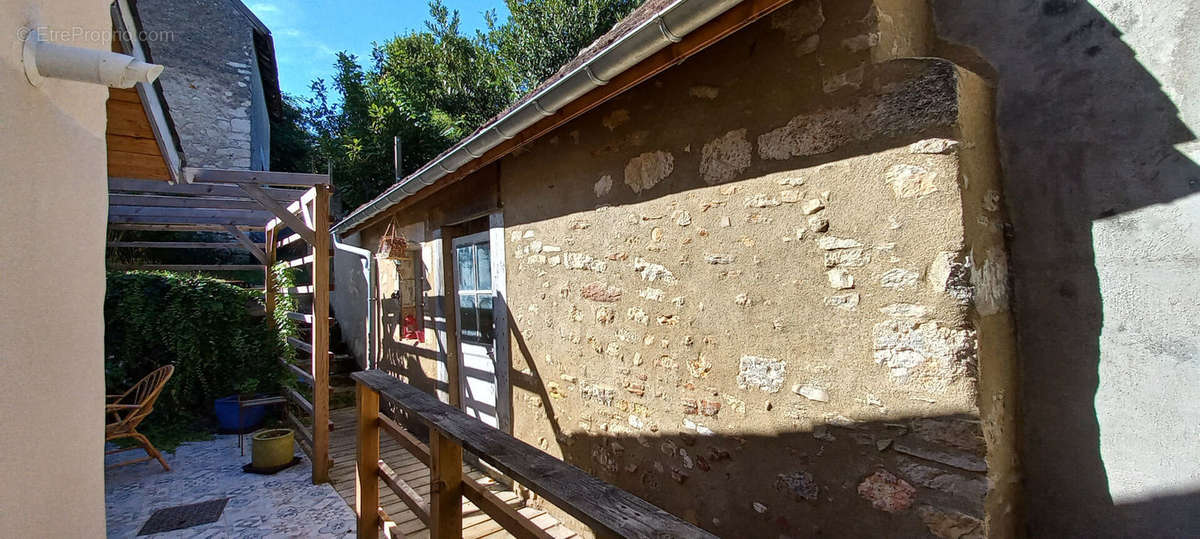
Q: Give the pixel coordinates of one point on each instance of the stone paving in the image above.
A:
(286, 504)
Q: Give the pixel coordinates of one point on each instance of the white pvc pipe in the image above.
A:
(95, 66)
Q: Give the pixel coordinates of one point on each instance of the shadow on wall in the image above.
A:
(1086, 133)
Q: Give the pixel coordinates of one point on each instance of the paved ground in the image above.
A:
(286, 504)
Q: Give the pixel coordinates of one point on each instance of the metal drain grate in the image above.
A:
(184, 516)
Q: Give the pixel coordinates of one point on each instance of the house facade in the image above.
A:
(222, 88)
(764, 289)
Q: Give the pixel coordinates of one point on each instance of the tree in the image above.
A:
(434, 87)
(541, 36)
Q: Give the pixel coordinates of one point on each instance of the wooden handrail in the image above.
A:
(607, 509)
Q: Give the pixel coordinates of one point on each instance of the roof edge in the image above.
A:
(666, 28)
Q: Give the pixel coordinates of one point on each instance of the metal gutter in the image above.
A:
(653, 35)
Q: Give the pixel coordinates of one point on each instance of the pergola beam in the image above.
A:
(247, 243)
(254, 177)
(183, 224)
(179, 244)
(283, 214)
(175, 227)
(187, 213)
(189, 267)
(196, 189)
(159, 201)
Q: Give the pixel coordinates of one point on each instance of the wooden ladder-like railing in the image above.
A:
(309, 220)
(608, 510)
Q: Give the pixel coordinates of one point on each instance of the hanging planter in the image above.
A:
(393, 245)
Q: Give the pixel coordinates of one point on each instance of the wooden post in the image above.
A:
(445, 487)
(269, 284)
(366, 482)
(320, 334)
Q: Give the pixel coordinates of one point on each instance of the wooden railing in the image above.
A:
(309, 220)
(608, 510)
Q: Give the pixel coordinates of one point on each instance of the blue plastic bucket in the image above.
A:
(226, 409)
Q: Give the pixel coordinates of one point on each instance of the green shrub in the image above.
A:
(206, 327)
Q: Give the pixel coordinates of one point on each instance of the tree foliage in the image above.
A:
(543, 35)
(204, 326)
(431, 88)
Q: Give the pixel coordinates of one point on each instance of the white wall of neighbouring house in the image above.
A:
(52, 226)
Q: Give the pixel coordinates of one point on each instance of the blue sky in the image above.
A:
(308, 33)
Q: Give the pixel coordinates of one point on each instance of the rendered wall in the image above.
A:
(53, 210)
(1097, 119)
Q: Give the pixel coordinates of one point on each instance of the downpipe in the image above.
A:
(370, 271)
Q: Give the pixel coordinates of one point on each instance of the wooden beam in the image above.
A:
(220, 220)
(174, 227)
(254, 177)
(320, 336)
(189, 267)
(179, 244)
(188, 213)
(299, 400)
(414, 446)
(300, 373)
(299, 317)
(131, 185)
(366, 482)
(388, 526)
(248, 244)
(513, 522)
(406, 493)
(269, 286)
(283, 214)
(297, 262)
(293, 238)
(732, 20)
(445, 487)
(117, 199)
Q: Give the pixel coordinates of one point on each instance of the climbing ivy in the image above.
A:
(215, 333)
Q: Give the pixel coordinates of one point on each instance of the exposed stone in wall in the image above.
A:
(948, 275)
(598, 291)
(646, 170)
(725, 157)
(909, 181)
(934, 145)
(704, 92)
(887, 492)
(762, 373)
(798, 485)
(603, 185)
(910, 348)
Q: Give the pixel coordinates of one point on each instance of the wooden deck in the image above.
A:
(476, 524)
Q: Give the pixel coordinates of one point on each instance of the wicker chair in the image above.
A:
(129, 409)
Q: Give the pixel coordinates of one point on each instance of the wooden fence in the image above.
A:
(608, 510)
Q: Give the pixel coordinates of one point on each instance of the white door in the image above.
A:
(475, 312)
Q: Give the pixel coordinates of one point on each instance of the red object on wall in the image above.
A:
(411, 329)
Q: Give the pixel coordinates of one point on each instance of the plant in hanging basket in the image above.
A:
(393, 245)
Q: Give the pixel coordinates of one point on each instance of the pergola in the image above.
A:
(292, 209)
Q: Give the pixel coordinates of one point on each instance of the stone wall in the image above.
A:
(754, 289)
(207, 47)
